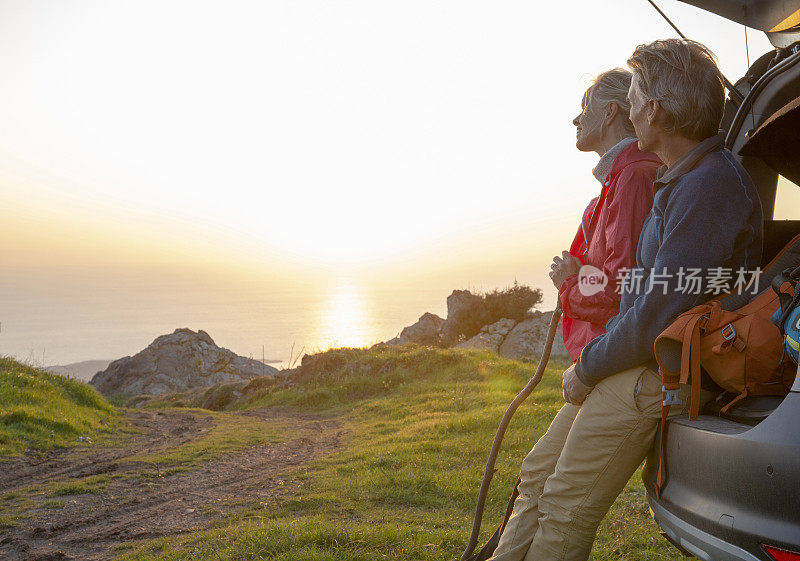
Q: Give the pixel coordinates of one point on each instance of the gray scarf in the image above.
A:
(603, 167)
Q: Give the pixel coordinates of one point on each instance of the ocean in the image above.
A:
(278, 326)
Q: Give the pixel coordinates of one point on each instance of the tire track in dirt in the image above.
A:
(90, 526)
(82, 461)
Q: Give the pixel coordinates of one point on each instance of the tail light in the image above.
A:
(781, 554)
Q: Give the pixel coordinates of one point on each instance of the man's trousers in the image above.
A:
(576, 470)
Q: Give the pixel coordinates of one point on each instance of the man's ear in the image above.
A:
(653, 112)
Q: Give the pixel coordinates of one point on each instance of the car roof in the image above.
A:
(779, 19)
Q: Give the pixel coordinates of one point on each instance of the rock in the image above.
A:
(324, 362)
(177, 362)
(463, 309)
(491, 337)
(527, 339)
(219, 396)
(424, 332)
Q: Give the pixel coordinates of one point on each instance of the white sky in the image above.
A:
(426, 141)
(316, 132)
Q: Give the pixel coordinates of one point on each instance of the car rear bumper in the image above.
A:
(730, 485)
(694, 541)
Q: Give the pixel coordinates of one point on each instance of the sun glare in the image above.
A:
(343, 321)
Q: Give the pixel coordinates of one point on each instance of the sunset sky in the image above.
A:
(151, 150)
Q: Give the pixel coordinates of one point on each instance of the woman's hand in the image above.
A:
(563, 267)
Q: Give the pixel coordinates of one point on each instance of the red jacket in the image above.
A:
(623, 204)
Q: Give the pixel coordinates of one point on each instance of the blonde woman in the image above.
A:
(611, 223)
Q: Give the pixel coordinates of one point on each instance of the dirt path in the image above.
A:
(142, 500)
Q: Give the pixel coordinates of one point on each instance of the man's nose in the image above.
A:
(575, 121)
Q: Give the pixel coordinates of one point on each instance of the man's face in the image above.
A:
(589, 125)
(638, 114)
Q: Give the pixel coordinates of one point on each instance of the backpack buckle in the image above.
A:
(702, 322)
(728, 332)
(672, 397)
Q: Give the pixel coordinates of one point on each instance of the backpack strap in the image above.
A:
(686, 329)
(690, 365)
(735, 400)
(730, 340)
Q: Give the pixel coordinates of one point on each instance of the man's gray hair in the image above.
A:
(683, 77)
(612, 87)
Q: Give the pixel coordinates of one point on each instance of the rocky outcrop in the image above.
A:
(491, 337)
(424, 332)
(528, 337)
(523, 339)
(468, 314)
(463, 308)
(177, 362)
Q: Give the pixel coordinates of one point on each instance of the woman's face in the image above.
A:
(589, 124)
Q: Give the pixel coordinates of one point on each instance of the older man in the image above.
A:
(706, 214)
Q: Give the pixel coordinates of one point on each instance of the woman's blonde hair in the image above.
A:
(612, 87)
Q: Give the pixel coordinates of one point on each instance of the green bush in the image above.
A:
(513, 302)
(480, 310)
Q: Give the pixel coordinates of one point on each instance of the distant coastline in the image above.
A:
(82, 371)
(86, 369)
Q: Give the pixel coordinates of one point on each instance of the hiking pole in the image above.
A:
(489, 471)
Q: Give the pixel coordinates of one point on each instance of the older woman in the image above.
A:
(611, 223)
(606, 241)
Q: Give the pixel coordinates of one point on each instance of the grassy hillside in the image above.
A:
(418, 426)
(39, 410)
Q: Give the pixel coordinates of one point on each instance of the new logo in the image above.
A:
(591, 280)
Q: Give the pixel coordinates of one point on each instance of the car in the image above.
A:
(732, 479)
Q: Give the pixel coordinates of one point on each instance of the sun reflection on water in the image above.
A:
(344, 321)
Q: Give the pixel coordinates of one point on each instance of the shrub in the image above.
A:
(477, 310)
(513, 302)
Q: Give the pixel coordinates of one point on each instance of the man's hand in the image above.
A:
(575, 391)
(565, 266)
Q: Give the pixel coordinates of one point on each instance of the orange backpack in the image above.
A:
(732, 339)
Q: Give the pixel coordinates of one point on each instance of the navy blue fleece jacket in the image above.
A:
(706, 214)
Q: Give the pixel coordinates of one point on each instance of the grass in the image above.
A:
(40, 411)
(89, 485)
(228, 434)
(8, 521)
(419, 423)
(53, 504)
